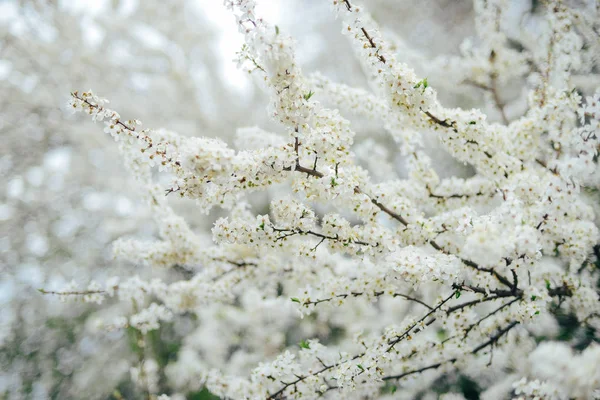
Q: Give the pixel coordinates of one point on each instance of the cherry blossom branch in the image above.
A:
(404, 222)
(328, 367)
(237, 266)
(301, 378)
(397, 217)
(99, 112)
(406, 333)
(357, 294)
(297, 231)
(492, 341)
(433, 118)
(421, 322)
(497, 310)
(74, 293)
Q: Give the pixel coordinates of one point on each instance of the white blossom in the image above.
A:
(435, 225)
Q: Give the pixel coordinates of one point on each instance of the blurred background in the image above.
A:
(65, 195)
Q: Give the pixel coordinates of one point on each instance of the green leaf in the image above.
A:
(537, 313)
(472, 122)
(360, 367)
(308, 95)
(547, 284)
(533, 297)
(295, 300)
(458, 294)
(393, 389)
(441, 334)
(276, 30)
(423, 83)
(304, 344)
(262, 226)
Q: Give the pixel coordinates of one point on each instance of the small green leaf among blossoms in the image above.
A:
(304, 344)
(308, 95)
(422, 83)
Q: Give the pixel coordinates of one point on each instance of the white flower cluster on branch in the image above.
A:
(389, 284)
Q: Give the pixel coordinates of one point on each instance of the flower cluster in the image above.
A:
(340, 284)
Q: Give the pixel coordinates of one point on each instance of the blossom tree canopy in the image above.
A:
(392, 223)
